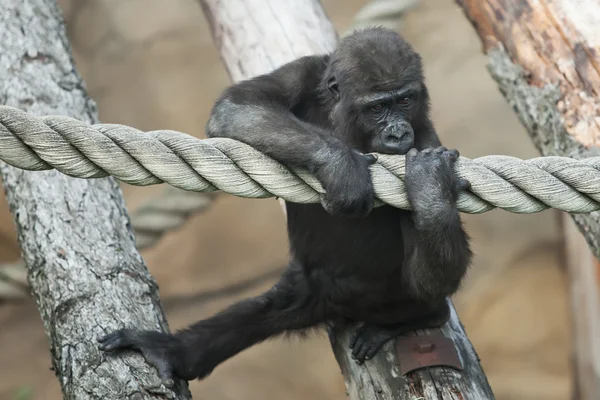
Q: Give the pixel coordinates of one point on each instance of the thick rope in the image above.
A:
(13, 281)
(173, 207)
(166, 212)
(132, 156)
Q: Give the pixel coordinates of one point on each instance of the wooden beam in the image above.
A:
(257, 36)
(545, 57)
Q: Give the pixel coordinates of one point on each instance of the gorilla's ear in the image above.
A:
(332, 85)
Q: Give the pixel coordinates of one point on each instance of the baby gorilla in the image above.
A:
(388, 268)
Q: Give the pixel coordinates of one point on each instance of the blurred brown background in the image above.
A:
(151, 64)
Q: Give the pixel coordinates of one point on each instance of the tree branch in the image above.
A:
(545, 57)
(84, 270)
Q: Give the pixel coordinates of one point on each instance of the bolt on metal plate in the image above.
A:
(434, 350)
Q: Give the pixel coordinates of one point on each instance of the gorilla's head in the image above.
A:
(375, 83)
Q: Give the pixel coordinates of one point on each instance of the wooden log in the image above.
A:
(84, 271)
(255, 37)
(545, 57)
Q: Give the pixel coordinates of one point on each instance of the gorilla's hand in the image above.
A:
(346, 179)
(431, 183)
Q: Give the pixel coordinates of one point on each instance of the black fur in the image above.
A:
(388, 268)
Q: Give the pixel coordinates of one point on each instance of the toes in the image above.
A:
(164, 369)
(440, 150)
(428, 150)
(354, 339)
(412, 153)
(364, 349)
(362, 345)
(115, 341)
(371, 353)
(361, 355)
(358, 350)
(367, 340)
(154, 354)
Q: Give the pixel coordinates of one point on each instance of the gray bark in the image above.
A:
(252, 43)
(83, 268)
(537, 109)
(553, 90)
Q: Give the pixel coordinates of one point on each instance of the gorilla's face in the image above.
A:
(384, 120)
(381, 99)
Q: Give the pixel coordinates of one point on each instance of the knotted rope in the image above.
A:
(132, 156)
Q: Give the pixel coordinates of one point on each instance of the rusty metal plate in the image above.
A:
(416, 352)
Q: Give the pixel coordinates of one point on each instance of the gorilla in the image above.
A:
(388, 269)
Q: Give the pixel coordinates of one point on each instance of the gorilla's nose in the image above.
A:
(395, 136)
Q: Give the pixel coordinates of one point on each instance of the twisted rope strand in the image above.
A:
(132, 156)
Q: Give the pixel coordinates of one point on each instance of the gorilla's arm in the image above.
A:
(259, 112)
(436, 245)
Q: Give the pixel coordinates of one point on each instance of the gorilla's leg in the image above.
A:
(195, 351)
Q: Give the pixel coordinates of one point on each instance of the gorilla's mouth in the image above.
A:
(393, 144)
(393, 141)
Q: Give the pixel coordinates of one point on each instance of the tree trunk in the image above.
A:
(545, 57)
(85, 273)
(257, 36)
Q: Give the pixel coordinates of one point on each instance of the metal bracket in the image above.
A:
(433, 350)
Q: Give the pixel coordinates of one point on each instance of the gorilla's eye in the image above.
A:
(405, 101)
(377, 107)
